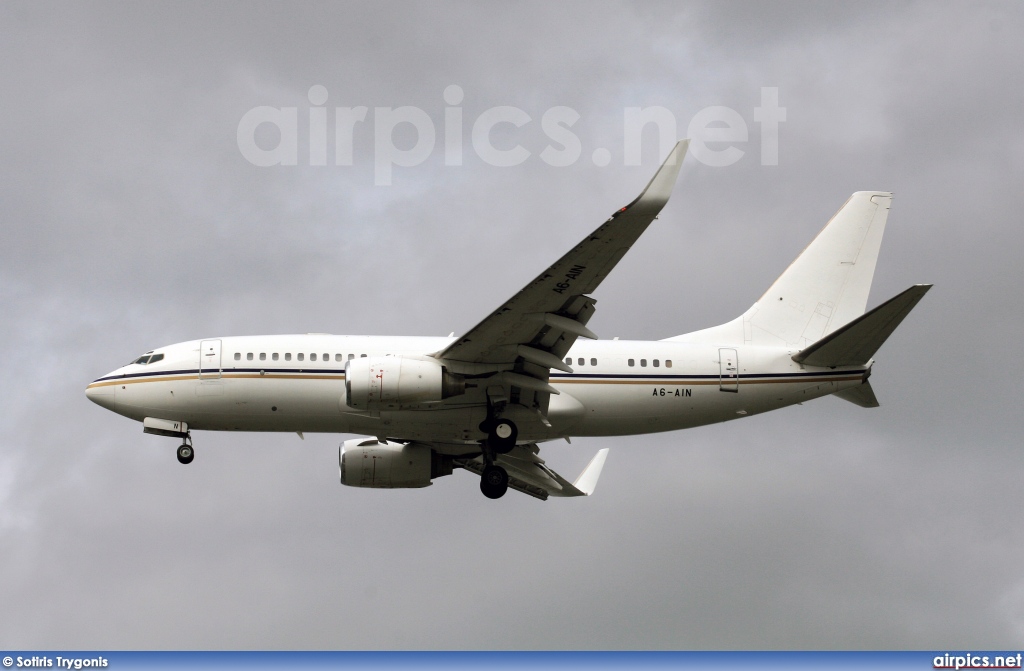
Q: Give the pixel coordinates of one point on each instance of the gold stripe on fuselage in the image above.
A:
(341, 376)
(702, 381)
(169, 378)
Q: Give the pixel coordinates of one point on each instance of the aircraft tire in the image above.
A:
(185, 453)
(494, 482)
(502, 436)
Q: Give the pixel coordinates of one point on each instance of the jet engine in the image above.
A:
(393, 381)
(389, 465)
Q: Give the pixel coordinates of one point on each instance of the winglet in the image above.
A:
(588, 478)
(660, 187)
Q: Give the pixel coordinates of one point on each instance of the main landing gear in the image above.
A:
(494, 482)
(185, 452)
(501, 438)
(501, 434)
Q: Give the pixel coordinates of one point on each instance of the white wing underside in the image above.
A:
(527, 473)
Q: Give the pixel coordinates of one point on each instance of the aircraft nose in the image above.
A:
(100, 394)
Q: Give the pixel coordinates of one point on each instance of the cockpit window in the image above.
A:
(156, 357)
(149, 358)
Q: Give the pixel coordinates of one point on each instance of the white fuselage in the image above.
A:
(482, 401)
(296, 383)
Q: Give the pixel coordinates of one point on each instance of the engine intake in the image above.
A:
(394, 381)
(371, 463)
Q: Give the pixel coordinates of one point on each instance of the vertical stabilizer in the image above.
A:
(825, 288)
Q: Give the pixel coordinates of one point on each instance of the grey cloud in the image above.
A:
(130, 220)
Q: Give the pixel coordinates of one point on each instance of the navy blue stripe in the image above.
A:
(135, 375)
(744, 376)
(555, 377)
(195, 371)
(283, 370)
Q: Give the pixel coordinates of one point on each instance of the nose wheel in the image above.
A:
(185, 452)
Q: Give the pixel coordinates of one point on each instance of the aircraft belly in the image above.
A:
(270, 404)
(256, 404)
(441, 424)
(652, 408)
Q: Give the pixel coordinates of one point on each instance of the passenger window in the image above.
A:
(338, 357)
(643, 363)
(263, 356)
(238, 356)
(579, 361)
(568, 360)
(655, 362)
(351, 356)
(300, 356)
(362, 356)
(274, 356)
(327, 357)
(312, 357)
(248, 357)
(593, 362)
(287, 356)
(631, 362)
(668, 363)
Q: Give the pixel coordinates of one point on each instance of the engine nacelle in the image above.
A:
(371, 463)
(393, 381)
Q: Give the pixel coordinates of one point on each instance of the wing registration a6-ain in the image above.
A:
(531, 371)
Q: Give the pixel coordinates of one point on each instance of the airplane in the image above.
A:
(531, 371)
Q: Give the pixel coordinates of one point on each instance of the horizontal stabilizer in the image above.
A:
(855, 343)
(862, 395)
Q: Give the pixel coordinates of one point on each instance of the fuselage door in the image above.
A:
(209, 360)
(728, 370)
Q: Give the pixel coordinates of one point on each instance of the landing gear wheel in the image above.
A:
(185, 453)
(494, 482)
(502, 435)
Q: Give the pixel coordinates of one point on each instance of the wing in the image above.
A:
(528, 474)
(535, 328)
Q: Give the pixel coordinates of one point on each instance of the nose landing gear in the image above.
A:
(185, 452)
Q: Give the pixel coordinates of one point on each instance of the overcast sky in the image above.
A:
(130, 219)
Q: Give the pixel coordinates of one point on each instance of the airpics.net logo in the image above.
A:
(969, 660)
(718, 135)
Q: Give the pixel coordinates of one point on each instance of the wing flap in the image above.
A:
(477, 466)
(528, 474)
